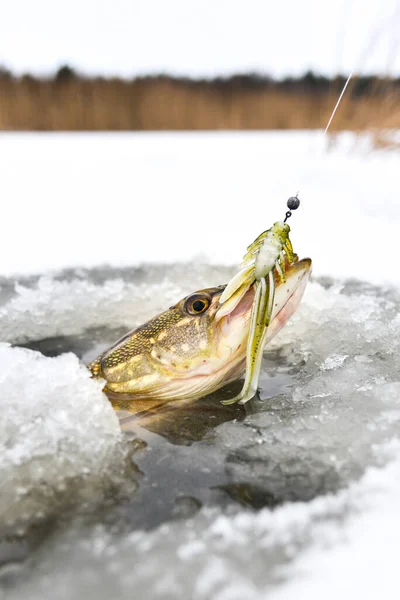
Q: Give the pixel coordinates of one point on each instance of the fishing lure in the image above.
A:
(270, 251)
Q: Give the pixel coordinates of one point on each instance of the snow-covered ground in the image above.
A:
(88, 512)
(124, 199)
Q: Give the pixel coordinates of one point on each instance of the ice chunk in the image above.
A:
(59, 436)
(335, 361)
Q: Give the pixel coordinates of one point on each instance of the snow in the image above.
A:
(126, 199)
(319, 451)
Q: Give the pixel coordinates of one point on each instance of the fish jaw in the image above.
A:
(288, 295)
(235, 325)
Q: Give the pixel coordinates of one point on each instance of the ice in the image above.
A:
(335, 361)
(325, 446)
(343, 544)
(59, 437)
(78, 300)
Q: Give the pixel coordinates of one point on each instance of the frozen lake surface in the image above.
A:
(298, 492)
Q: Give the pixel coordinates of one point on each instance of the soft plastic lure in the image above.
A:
(271, 251)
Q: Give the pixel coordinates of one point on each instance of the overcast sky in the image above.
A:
(202, 37)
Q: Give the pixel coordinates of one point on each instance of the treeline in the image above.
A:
(71, 101)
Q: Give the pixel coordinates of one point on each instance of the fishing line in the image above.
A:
(293, 202)
(338, 102)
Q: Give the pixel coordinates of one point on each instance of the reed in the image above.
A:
(72, 103)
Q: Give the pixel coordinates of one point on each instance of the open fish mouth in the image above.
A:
(288, 295)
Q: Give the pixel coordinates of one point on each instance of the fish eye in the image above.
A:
(197, 304)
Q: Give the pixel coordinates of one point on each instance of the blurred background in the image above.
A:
(215, 64)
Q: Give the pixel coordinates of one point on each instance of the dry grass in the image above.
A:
(73, 103)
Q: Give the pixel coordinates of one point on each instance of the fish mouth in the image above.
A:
(288, 295)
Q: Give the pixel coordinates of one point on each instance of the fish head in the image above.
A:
(190, 350)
